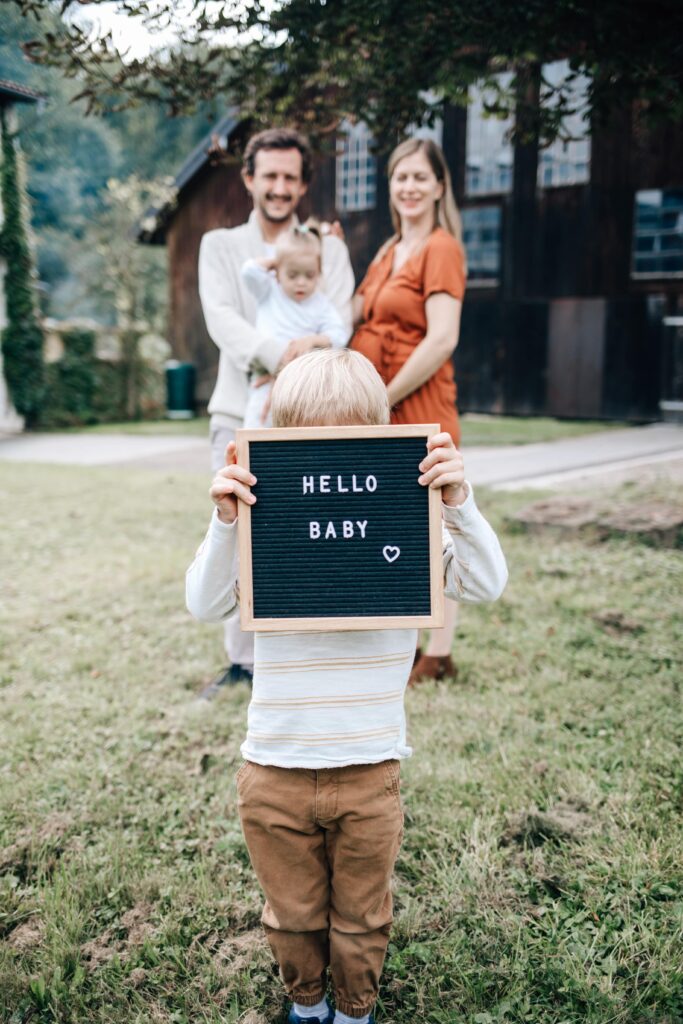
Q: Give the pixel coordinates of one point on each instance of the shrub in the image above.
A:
(81, 389)
(22, 338)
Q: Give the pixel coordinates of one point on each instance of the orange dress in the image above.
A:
(396, 322)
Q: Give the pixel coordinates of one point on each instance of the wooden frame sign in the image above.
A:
(342, 535)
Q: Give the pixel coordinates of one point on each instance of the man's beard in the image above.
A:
(276, 219)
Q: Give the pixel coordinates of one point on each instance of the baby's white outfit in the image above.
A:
(283, 319)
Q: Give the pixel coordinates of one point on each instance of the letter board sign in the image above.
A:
(342, 536)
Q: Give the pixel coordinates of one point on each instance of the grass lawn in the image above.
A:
(540, 880)
(477, 429)
(198, 427)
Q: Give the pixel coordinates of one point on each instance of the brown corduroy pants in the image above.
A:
(323, 844)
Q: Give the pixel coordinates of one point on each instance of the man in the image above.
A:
(276, 172)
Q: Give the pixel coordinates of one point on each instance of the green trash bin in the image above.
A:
(180, 379)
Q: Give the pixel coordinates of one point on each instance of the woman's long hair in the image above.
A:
(446, 213)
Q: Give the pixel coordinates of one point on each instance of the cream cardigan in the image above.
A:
(230, 308)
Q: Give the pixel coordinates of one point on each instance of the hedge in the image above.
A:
(22, 338)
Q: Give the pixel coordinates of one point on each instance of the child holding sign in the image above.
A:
(291, 308)
(318, 793)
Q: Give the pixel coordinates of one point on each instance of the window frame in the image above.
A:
(654, 275)
(473, 280)
(567, 154)
(355, 170)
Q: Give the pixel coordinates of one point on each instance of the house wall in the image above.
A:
(215, 198)
(577, 336)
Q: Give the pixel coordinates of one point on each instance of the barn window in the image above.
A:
(566, 162)
(658, 234)
(356, 170)
(481, 230)
(489, 151)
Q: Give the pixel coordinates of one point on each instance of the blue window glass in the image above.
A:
(482, 240)
(658, 233)
(356, 170)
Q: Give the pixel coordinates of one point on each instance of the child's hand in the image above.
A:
(300, 346)
(267, 262)
(334, 228)
(229, 484)
(443, 467)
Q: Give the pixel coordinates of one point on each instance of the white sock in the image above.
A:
(320, 1010)
(343, 1018)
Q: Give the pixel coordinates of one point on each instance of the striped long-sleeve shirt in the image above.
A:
(324, 700)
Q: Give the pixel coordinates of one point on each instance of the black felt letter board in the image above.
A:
(340, 532)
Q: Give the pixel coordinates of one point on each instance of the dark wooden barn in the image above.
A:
(576, 257)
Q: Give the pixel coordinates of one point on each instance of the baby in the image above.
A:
(291, 309)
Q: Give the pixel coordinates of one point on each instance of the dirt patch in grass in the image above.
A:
(652, 521)
(137, 977)
(566, 821)
(37, 848)
(563, 516)
(615, 623)
(240, 952)
(135, 922)
(253, 1017)
(27, 935)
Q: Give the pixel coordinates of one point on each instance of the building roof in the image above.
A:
(15, 92)
(152, 227)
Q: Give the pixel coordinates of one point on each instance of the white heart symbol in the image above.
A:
(391, 553)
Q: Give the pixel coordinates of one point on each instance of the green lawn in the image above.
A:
(540, 880)
(198, 427)
(477, 429)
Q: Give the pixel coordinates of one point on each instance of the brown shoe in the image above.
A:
(429, 667)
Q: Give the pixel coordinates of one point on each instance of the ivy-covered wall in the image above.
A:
(82, 388)
(22, 338)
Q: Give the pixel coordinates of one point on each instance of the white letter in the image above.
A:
(348, 528)
(371, 483)
(356, 490)
(324, 485)
(314, 530)
(330, 531)
(308, 484)
(340, 486)
(361, 527)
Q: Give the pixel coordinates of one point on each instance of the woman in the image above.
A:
(408, 309)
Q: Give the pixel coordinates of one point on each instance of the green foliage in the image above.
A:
(390, 63)
(71, 382)
(22, 339)
(109, 403)
(69, 159)
(132, 279)
(82, 389)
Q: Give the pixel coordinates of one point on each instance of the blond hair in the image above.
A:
(446, 213)
(336, 387)
(300, 238)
